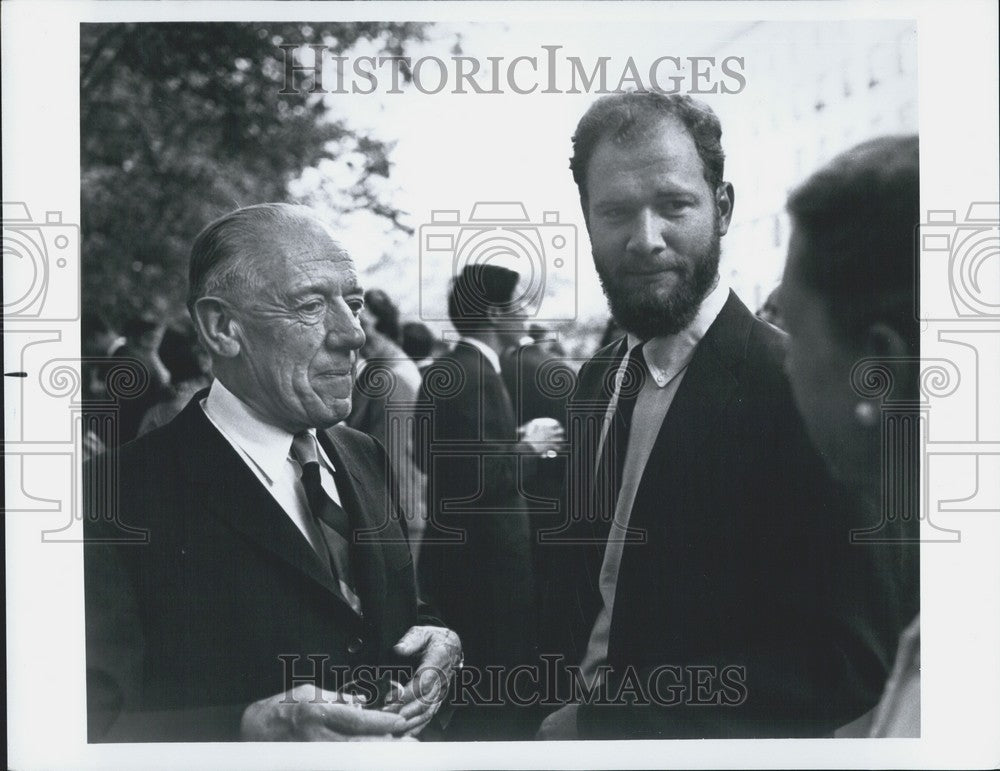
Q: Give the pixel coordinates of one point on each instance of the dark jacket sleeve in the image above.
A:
(116, 654)
(117, 708)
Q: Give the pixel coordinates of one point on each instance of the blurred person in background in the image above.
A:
(716, 539)
(848, 295)
(98, 339)
(190, 370)
(539, 383)
(419, 343)
(483, 583)
(770, 312)
(385, 390)
(384, 347)
(143, 335)
(525, 367)
(97, 336)
(385, 313)
(546, 338)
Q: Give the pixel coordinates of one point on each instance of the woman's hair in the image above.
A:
(386, 314)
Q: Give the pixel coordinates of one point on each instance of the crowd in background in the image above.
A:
(169, 354)
(739, 458)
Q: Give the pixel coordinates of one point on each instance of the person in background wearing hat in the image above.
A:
(482, 583)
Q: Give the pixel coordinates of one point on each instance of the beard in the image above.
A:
(650, 313)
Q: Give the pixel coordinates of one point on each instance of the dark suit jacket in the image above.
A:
(227, 600)
(539, 383)
(747, 562)
(533, 378)
(482, 584)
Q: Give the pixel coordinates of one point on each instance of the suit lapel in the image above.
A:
(696, 423)
(226, 488)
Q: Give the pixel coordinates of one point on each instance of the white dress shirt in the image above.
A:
(266, 449)
(667, 359)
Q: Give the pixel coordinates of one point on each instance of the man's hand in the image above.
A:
(438, 652)
(308, 713)
(543, 435)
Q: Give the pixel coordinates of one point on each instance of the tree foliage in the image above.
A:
(183, 122)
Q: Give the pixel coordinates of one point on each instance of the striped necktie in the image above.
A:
(329, 516)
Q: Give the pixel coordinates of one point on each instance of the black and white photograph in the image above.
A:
(484, 385)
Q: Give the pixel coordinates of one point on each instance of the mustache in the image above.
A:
(639, 265)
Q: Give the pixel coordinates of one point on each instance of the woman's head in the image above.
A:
(849, 294)
(384, 313)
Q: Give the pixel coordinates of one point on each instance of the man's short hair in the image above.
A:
(859, 214)
(477, 290)
(624, 117)
(219, 255)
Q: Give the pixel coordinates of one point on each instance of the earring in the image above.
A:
(866, 413)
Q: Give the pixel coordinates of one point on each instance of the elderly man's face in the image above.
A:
(300, 331)
(654, 226)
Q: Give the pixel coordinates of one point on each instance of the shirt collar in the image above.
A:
(485, 350)
(667, 355)
(266, 445)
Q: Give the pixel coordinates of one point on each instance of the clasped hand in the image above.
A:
(310, 713)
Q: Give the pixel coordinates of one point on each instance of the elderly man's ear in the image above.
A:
(219, 329)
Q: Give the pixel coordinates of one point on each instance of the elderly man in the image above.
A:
(716, 592)
(275, 582)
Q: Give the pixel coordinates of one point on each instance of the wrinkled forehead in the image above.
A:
(302, 246)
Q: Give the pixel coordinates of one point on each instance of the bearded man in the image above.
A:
(713, 590)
